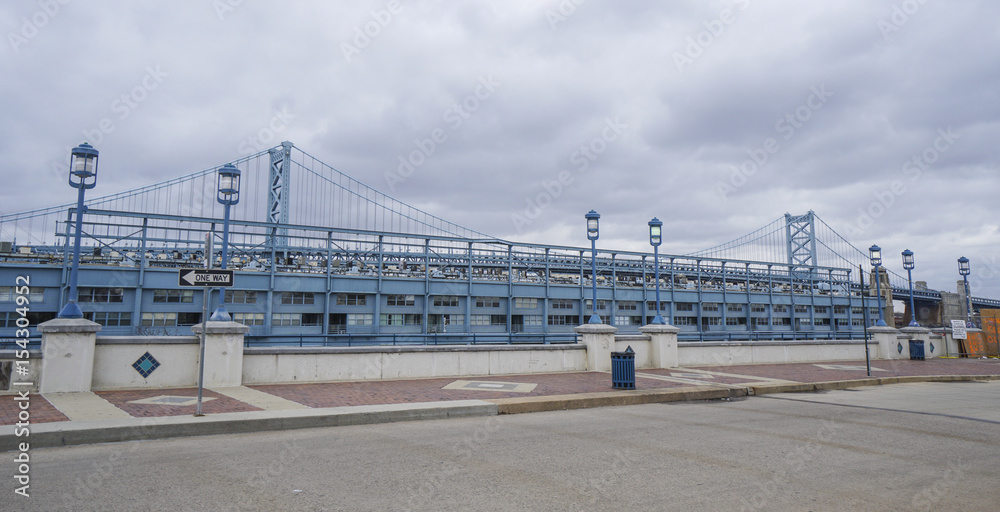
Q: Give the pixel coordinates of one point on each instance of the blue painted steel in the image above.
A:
(917, 349)
(875, 253)
(964, 269)
(655, 239)
(228, 195)
(593, 232)
(623, 369)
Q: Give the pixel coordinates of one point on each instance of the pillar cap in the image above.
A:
(595, 329)
(659, 329)
(880, 329)
(229, 327)
(57, 325)
(914, 330)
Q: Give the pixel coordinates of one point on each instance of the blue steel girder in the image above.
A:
(800, 234)
(278, 192)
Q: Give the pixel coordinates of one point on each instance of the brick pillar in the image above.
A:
(662, 345)
(223, 353)
(67, 355)
(600, 340)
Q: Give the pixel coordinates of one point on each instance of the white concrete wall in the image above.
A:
(715, 354)
(640, 345)
(178, 357)
(270, 366)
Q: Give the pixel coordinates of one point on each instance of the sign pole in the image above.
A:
(204, 322)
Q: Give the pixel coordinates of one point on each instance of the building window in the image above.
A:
(711, 320)
(445, 301)
(483, 320)
(651, 306)
(398, 300)
(35, 294)
(857, 310)
(297, 298)
(840, 310)
(563, 319)
(734, 308)
(360, 318)
(188, 318)
(799, 308)
(685, 306)
(173, 296)
(758, 308)
(286, 319)
(525, 302)
(821, 310)
(779, 308)
(842, 322)
(487, 302)
(159, 319)
(601, 304)
(249, 318)
(100, 295)
(757, 323)
(684, 320)
(400, 319)
(710, 306)
(787, 322)
(628, 320)
(110, 318)
(736, 321)
(562, 303)
(352, 299)
(533, 319)
(628, 305)
(241, 297)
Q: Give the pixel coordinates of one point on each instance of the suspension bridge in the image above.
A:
(320, 255)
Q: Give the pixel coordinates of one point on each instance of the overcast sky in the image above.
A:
(718, 117)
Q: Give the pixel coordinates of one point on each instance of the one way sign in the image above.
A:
(204, 277)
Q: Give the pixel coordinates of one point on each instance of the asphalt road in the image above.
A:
(901, 447)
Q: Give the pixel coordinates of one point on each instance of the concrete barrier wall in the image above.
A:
(114, 355)
(732, 353)
(282, 365)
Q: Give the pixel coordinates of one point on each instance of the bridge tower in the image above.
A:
(277, 197)
(800, 234)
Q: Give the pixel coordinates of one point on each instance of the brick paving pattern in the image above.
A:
(429, 390)
(39, 408)
(221, 403)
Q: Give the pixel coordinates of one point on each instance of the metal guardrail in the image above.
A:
(770, 335)
(34, 343)
(369, 340)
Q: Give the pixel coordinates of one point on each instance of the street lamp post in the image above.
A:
(82, 176)
(655, 239)
(593, 232)
(908, 265)
(875, 253)
(965, 270)
(229, 194)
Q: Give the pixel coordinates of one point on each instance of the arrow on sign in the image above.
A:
(204, 277)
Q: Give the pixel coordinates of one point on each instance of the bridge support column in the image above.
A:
(662, 345)
(223, 352)
(600, 341)
(68, 346)
(888, 343)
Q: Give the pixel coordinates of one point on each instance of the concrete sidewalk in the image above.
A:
(110, 416)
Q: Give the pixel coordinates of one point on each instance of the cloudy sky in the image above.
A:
(718, 117)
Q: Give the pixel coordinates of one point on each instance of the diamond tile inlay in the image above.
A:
(932, 348)
(899, 348)
(146, 364)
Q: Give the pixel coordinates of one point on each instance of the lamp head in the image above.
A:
(963, 266)
(593, 225)
(655, 232)
(229, 185)
(875, 253)
(83, 166)
(908, 259)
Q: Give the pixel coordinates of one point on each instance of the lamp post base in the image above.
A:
(658, 320)
(594, 319)
(70, 310)
(220, 315)
(881, 323)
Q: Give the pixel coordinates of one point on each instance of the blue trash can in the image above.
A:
(917, 349)
(623, 369)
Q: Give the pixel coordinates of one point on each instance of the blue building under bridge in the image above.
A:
(321, 258)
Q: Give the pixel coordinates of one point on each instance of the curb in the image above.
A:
(765, 389)
(612, 398)
(133, 429)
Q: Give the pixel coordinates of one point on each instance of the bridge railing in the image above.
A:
(367, 340)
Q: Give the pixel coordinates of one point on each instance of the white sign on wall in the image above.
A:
(958, 329)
